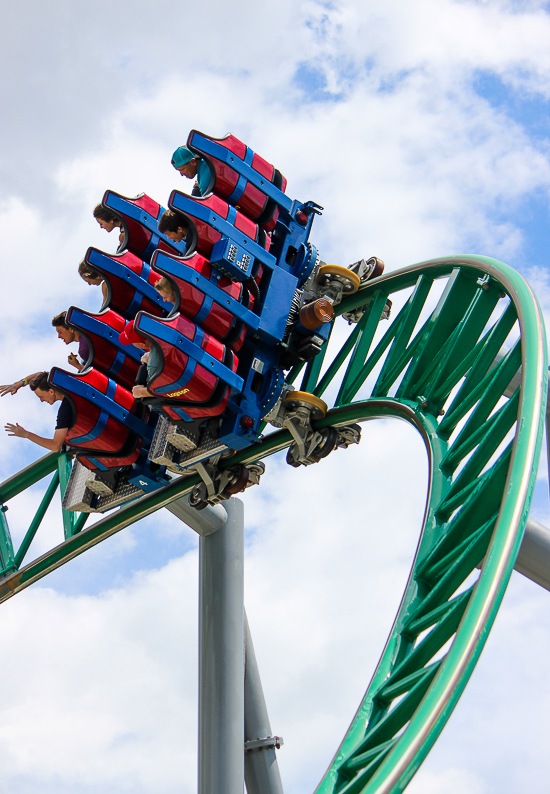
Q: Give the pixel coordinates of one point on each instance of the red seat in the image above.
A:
(202, 309)
(201, 388)
(230, 185)
(140, 216)
(131, 283)
(102, 331)
(107, 419)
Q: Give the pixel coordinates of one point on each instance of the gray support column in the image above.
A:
(221, 656)
(533, 560)
(261, 769)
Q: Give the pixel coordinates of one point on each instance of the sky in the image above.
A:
(422, 128)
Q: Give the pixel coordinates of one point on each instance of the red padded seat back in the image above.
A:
(95, 430)
(102, 331)
(231, 186)
(211, 316)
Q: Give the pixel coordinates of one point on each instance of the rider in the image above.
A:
(109, 221)
(46, 394)
(93, 277)
(174, 225)
(165, 289)
(68, 335)
(191, 165)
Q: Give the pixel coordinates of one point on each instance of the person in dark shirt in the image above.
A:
(46, 394)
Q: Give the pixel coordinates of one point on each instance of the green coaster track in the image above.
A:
(462, 330)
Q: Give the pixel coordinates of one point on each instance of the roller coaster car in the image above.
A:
(255, 188)
(109, 426)
(206, 406)
(107, 354)
(241, 283)
(240, 176)
(140, 217)
(110, 436)
(131, 283)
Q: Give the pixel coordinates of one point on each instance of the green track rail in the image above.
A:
(463, 329)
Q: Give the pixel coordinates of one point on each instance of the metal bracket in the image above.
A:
(298, 421)
(484, 281)
(306, 440)
(220, 484)
(259, 744)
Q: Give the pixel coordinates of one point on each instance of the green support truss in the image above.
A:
(462, 359)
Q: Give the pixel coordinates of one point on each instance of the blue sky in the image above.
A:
(423, 130)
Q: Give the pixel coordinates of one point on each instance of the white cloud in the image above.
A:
(445, 39)
(451, 781)
(108, 699)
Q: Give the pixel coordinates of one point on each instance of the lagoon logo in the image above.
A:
(177, 393)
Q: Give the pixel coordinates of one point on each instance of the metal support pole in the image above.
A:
(533, 560)
(221, 656)
(261, 769)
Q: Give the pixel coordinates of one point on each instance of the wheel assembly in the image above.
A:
(340, 279)
(296, 400)
(328, 443)
(242, 476)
